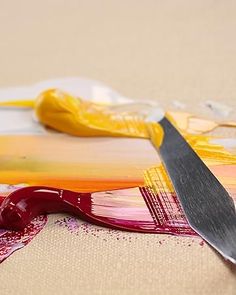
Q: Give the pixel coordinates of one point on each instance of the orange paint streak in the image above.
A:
(80, 185)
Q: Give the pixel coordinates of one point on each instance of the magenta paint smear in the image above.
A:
(10, 241)
(134, 209)
(141, 209)
(166, 212)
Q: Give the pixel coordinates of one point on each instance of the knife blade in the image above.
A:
(208, 207)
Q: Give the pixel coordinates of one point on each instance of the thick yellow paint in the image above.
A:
(74, 116)
(156, 134)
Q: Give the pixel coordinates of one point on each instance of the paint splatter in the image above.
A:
(201, 243)
(78, 227)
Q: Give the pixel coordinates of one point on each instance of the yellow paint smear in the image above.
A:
(68, 114)
(72, 115)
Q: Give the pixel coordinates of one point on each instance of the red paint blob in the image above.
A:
(164, 214)
(10, 241)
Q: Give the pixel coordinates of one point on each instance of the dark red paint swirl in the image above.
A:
(21, 206)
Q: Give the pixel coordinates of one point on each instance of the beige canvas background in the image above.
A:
(162, 50)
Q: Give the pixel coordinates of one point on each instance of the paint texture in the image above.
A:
(124, 189)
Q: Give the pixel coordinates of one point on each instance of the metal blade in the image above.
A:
(208, 207)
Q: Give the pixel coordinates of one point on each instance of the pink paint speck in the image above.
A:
(201, 243)
(76, 226)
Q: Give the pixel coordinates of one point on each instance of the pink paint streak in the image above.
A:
(167, 213)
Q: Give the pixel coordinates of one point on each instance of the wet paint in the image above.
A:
(120, 209)
(152, 207)
(73, 115)
(10, 240)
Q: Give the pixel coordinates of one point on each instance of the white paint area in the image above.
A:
(155, 115)
(6, 188)
(225, 142)
(219, 109)
(178, 104)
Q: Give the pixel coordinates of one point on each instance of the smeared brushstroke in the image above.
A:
(142, 209)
